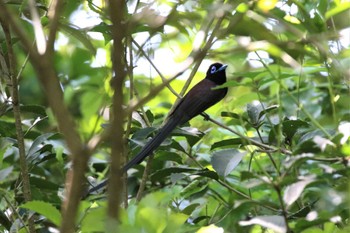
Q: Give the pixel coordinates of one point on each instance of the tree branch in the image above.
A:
(18, 121)
(54, 15)
(117, 9)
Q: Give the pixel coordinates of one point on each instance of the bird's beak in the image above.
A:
(223, 67)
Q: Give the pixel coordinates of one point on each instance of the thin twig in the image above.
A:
(155, 67)
(18, 121)
(256, 143)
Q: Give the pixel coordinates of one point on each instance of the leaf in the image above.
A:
(35, 145)
(195, 187)
(273, 222)
(230, 114)
(190, 208)
(5, 172)
(254, 113)
(224, 161)
(226, 143)
(45, 209)
(237, 141)
(267, 109)
(211, 228)
(343, 6)
(36, 109)
(162, 173)
(7, 129)
(207, 173)
(293, 192)
(322, 143)
(290, 127)
(94, 220)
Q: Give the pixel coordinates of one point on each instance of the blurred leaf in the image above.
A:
(210, 228)
(193, 188)
(36, 109)
(293, 191)
(266, 110)
(343, 6)
(275, 223)
(94, 220)
(7, 129)
(190, 208)
(5, 172)
(45, 209)
(161, 174)
(290, 127)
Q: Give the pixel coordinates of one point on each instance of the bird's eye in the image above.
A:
(213, 69)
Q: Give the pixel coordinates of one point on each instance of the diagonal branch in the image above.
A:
(54, 15)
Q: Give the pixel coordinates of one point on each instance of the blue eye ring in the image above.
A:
(212, 69)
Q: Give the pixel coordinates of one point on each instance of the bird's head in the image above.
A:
(216, 73)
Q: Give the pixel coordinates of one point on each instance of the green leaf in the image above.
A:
(190, 208)
(7, 129)
(290, 127)
(226, 143)
(162, 173)
(194, 187)
(266, 110)
(224, 161)
(36, 109)
(94, 220)
(343, 6)
(45, 209)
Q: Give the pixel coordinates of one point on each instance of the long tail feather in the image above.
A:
(146, 150)
(152, 144)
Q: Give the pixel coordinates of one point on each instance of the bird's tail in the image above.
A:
(146, 150)
(153, 143)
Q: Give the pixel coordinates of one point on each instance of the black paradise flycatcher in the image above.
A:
(197, 100)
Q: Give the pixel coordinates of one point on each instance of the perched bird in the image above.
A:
(198, 99)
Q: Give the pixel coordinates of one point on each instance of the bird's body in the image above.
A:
(197, 100)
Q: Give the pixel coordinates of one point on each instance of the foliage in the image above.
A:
(274, 153)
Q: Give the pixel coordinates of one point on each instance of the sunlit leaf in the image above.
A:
(293, 191)
(275, 223)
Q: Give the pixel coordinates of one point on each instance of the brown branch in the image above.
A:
(79, 152)
(117, 10)
(18, 121)
(54, 15)
(44, 66)
(242, 136)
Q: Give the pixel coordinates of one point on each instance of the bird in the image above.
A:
(202, 96)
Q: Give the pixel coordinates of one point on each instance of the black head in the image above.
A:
(216, 73)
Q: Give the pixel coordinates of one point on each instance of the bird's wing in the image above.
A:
(197, 100)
